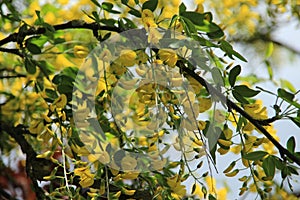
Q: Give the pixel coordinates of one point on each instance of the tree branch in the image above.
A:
(74, 24)
(266, 38)
(231, 105)
(13, 51)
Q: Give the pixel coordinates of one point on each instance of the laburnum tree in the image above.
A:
(136, 99)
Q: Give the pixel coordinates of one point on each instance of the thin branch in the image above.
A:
(13, 76)
(266, 38)
(231, 105)
(74, 24)
(13, 51)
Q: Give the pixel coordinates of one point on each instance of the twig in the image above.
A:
(74, 24)
(266, 38)
(231, 105)
(13, 51)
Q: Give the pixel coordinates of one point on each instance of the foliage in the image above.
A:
(140, 100)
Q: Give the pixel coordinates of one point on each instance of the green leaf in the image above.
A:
(182, 8)
(278, 163)
(129, 24)
(217, 76)
(96, 3)
(239, 97)
(245, 91)
(151, 5)
(194, 17)
(216, 32)
(96, 16)
(51, 94)
(234, 72)
(292, 170)
(108, 7)
(59, 40)
(291, 144)
(270, 69)
(256, 155)
(193, 188)
(211, 197)
(125, 2)
(288, 85)
(269, 50)
(30, 66)
(269, 166)
(203, 42)
(108, 22)
(65, 89)
(135, 12)
(38, 40)
(227, 48)
(287, 96)
(33, 48)
(188, 26)
(285, 172)
(46, 67)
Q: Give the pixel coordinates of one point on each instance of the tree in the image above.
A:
(132, 99)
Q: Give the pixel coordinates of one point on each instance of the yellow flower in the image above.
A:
(204, 104)
(61, 61)
(102, 157)
(228, 133)
(127, 57)
(80, 51)
(158, 164)
(219, 116)
(142, 57)
(147, 13)
(154, 35)
(61, 101)
(63, 2)
(168, 56)
(178, 190)
(86, 177)
(256, 110)
(130, 175)
(149, 23)
(37, 126)
(128, 192)
(105, 56)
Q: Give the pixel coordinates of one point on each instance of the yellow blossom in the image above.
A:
(61, 101)
(37, 126)
(204, 104)
(102, 157)
(178, 190)
(80, 51)
(61, 61)
(127, 57)
(86, 177)
(147, 13)
(154, 35)
(130, 175)
(168, 56)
